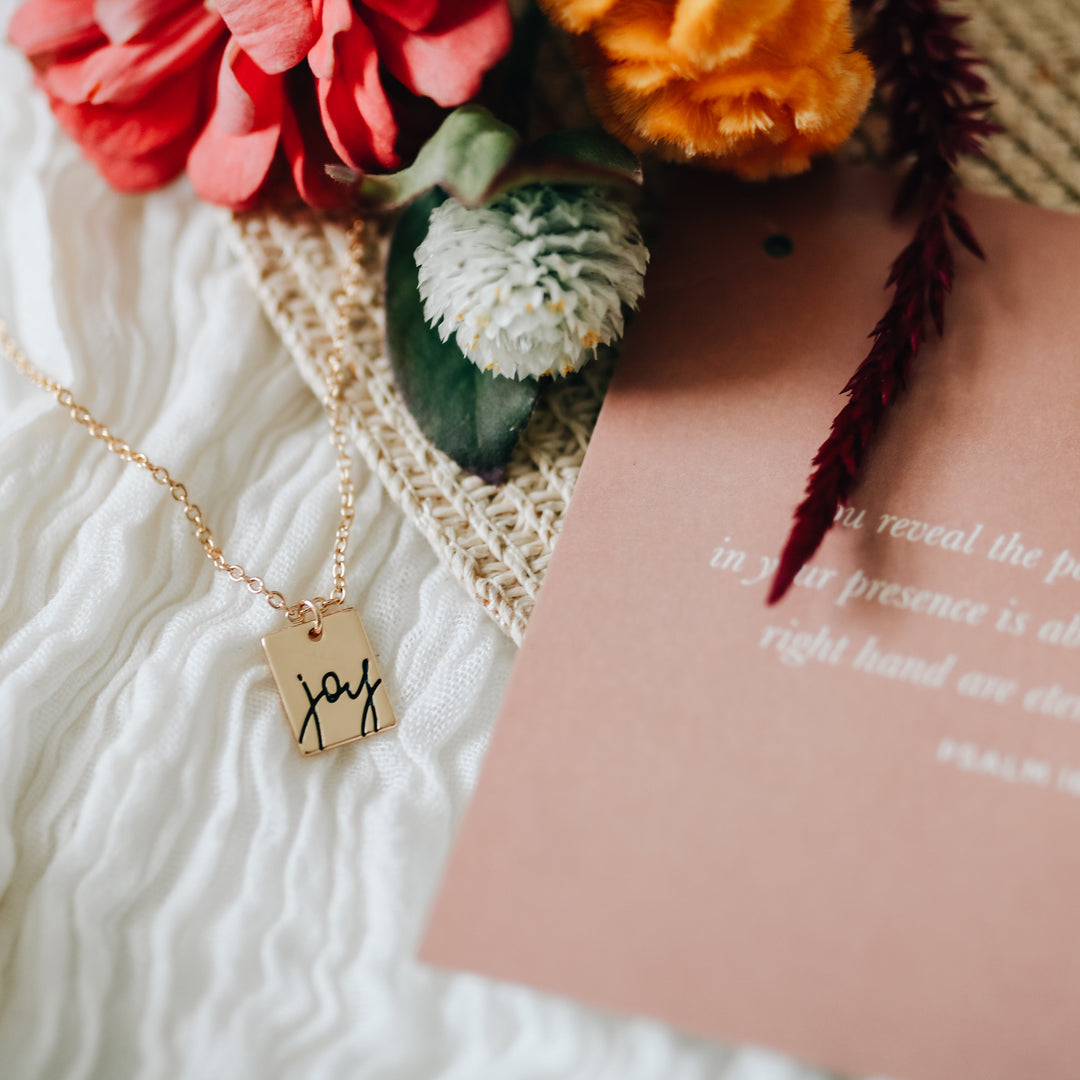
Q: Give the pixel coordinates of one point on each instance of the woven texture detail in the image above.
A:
(498, 540)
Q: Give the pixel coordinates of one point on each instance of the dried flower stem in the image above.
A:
(937, 105)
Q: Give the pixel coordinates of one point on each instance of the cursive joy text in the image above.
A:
(333, 688)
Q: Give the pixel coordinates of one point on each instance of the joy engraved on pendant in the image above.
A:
(329, 686)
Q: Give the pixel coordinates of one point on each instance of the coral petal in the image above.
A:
(138, 174)
(309, 152)
(229, 168)
(137, 149)
(42, 28)
(355, 110)
(121, 20)
(119, 133)
(432, 63)
(123, 74)
(275, 35)
(412, 14)
(247, 98)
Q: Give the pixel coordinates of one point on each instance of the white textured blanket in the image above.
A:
(181, 895)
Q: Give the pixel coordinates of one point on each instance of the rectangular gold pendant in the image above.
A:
(330, 687)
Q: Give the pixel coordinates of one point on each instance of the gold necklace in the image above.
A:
(325, 669)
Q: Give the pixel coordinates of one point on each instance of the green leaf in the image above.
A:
(473, 416)
(593, 150)
(587, 156)
(464, 156)
(477, 158)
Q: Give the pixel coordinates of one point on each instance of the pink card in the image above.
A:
(848, 826)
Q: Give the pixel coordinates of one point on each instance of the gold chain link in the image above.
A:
(333, 404)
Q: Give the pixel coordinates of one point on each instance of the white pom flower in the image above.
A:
(533, 282)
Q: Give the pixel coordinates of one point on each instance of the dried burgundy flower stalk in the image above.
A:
(937, 105)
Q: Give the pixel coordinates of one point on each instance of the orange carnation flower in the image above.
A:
(755, 86)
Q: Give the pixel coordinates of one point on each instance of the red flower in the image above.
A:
(147, 86)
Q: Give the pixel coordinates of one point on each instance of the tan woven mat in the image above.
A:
(499, 540)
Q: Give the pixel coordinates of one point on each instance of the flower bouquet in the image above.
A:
(514, 156)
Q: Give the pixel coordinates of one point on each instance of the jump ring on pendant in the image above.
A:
(316, 631)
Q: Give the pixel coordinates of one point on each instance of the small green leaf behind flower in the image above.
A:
(477, 158)
(473, 416)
